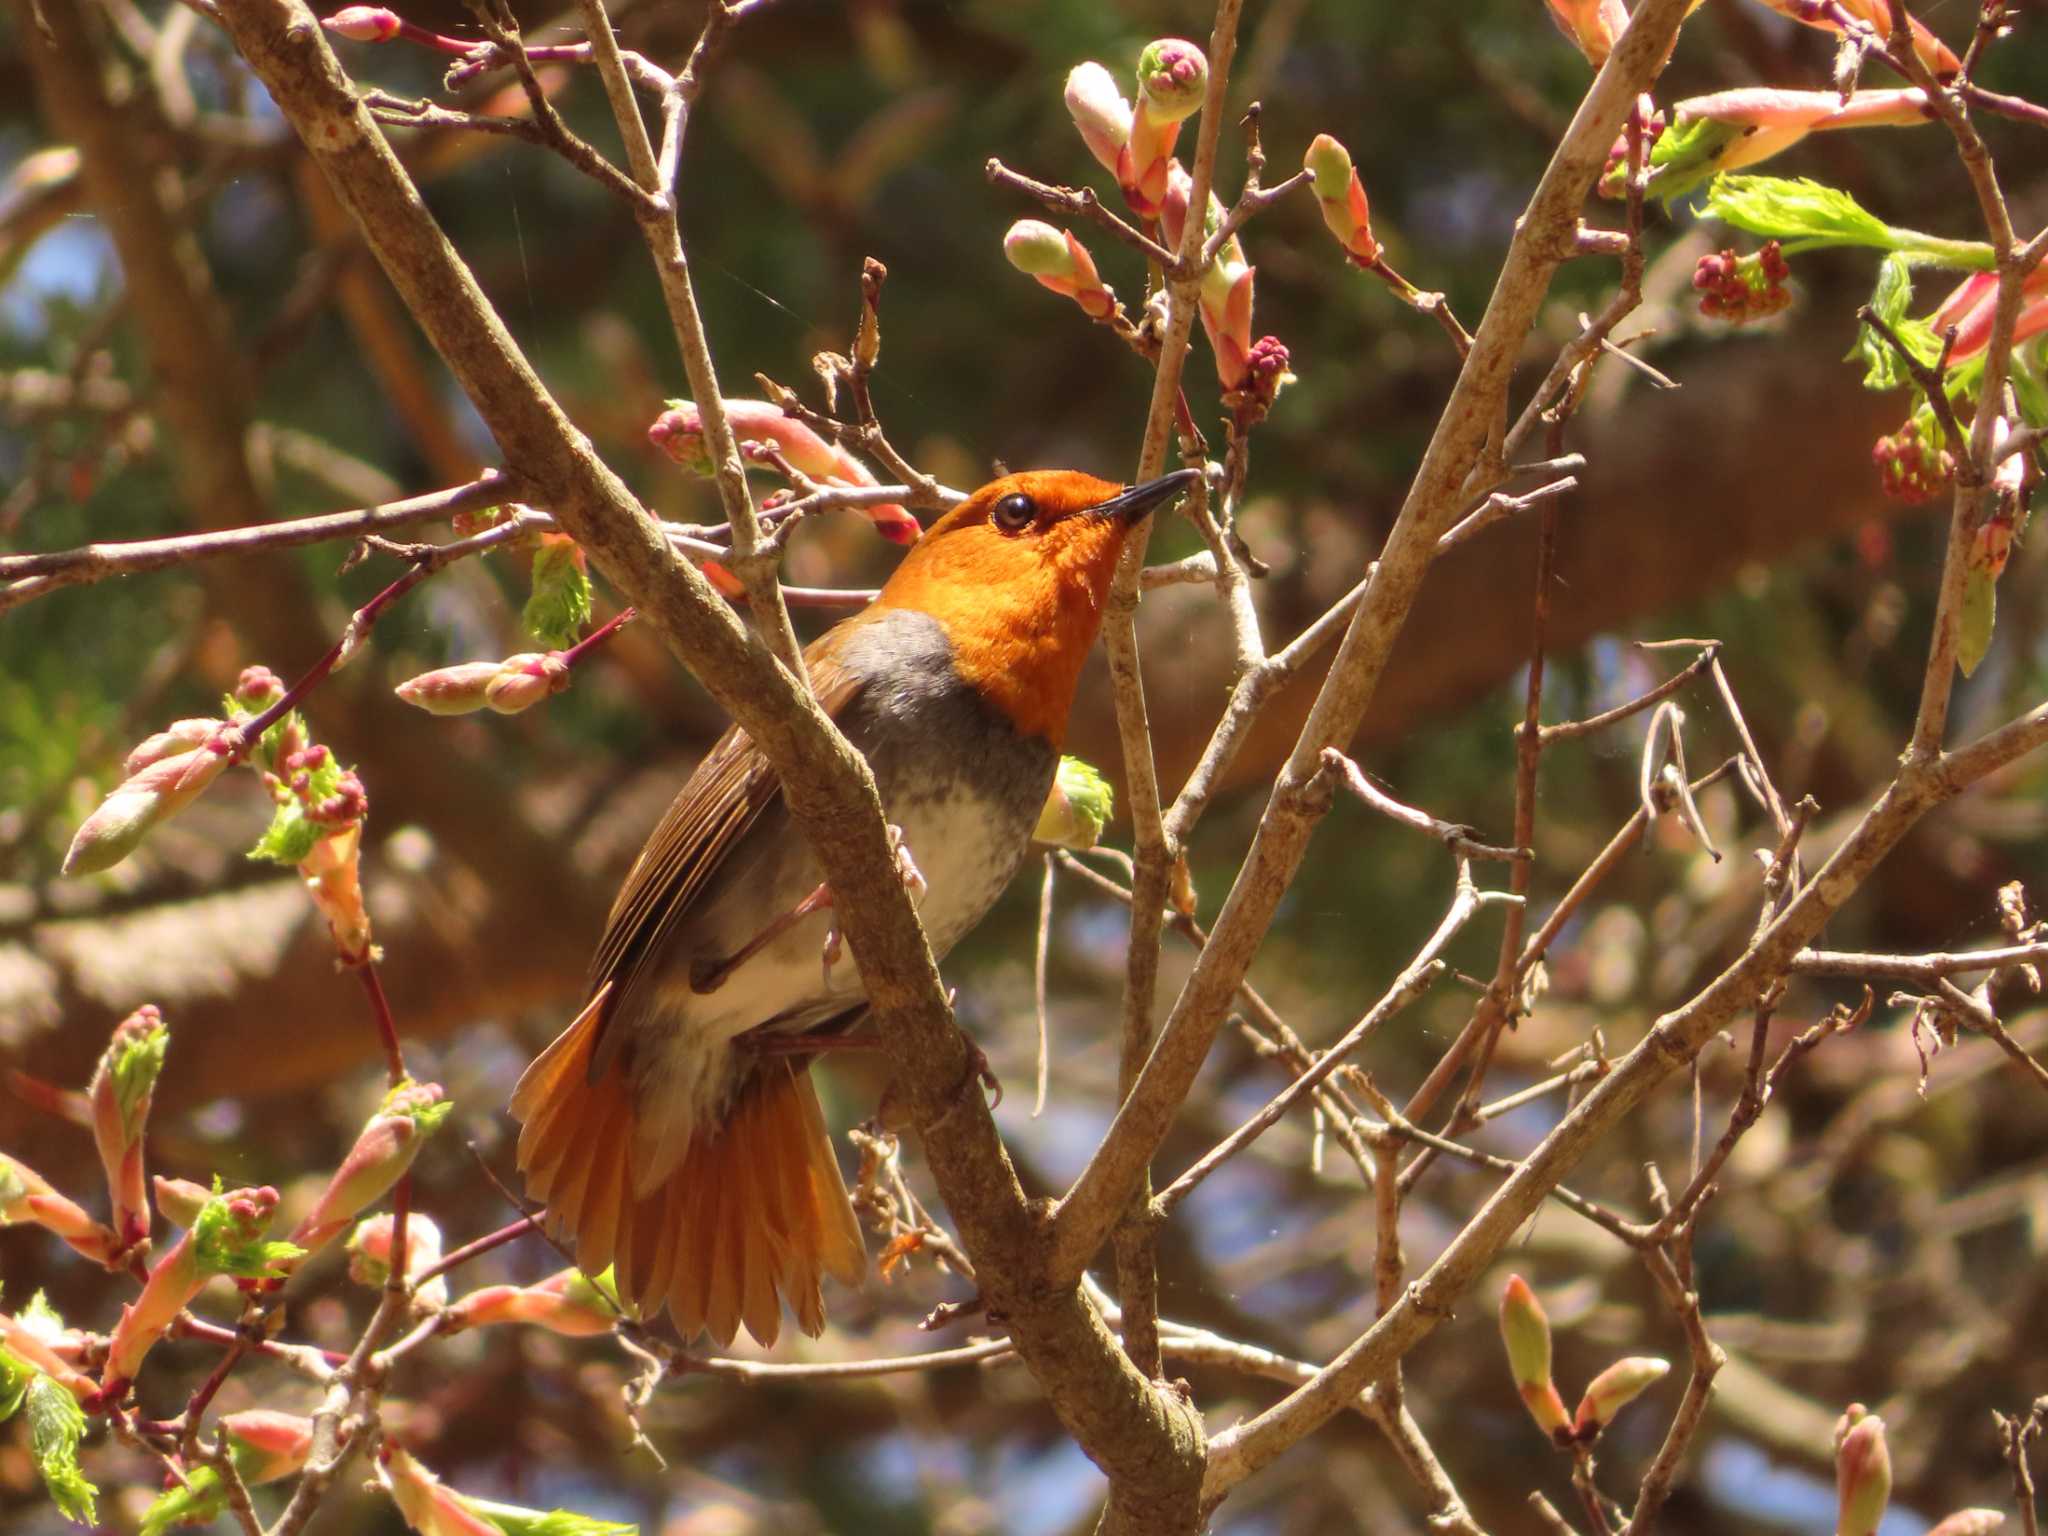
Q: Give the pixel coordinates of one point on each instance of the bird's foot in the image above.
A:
(710, 975)
(913, 881)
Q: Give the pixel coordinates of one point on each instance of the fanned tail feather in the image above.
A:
(752, 1218)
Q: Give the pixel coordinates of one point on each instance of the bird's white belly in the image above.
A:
(964, 845)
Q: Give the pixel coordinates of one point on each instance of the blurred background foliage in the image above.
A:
(1872, 1242)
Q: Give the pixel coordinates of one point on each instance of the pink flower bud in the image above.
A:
(524, 680)
(1594, 25)
(565, 1303)
(1912, 465)
(364, 24)
(383, 1151)
(679, 433)
(1341, 196)
(1739, 289)
(156, 793)
(456, 690)
(429, 1505)
(1173, 80)
(1526, 1332)
(183, 736)
(120, 1093)
(1613, 1390)
(1973, 306)
(369, 1253)
(269, 1445)
(1059, 262)
(1100, 112)
(257, 689)
(1863, 1473)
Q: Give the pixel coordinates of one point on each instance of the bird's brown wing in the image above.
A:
(707, 819)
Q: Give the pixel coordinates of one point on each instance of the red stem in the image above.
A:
(498, 1239)
(387, 1026)
(597, 637)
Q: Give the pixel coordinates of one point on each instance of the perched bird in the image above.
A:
(672, 1130)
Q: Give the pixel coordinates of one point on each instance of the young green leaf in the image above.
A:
(516, 1521)
(560, 605)
(55, 1426)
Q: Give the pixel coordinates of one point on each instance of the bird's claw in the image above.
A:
(913, 881)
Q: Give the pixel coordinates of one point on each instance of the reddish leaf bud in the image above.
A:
(1173, 79)
(1341, 196)
(1526, 1333)
(364, 24)
(1863, 1473)
(1613, 1390)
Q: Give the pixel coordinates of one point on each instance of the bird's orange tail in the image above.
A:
(754, 1216)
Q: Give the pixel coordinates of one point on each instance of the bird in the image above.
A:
(672, 1132)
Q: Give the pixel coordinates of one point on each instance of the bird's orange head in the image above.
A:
(1017, 576)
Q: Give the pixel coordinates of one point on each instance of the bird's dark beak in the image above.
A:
(1136, 504)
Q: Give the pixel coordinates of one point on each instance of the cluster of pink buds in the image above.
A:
(1613, 181)
(1912, 465)
(166, 773)
(679, 433)
(119, 1096)
(383, 1151)
(567, 1302)
(1136, 145)
(1341, 196)
(226, 1239)
(517, 683)
(1525, 1330)
(1739, 289)
(1059, 262)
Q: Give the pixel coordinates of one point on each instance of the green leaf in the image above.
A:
(266, 751)
(15, 1375)
(1882, 367)
(55, 1426)
(201, 1501)
(560, 605)
(1795, 208)
(1809, 215)
(516, 1521)
(136, 1069)
(229, 1243)
(292, 835)
(1980, 607)
(1685, 155)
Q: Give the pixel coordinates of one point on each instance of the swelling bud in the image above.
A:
(1341, 196)
(1613, 1390)
(1526, 1332)
(364, 24)
(1077, 809)
(1863, 1472)
(1173, 79)
(1059, 262)
(1099, 112)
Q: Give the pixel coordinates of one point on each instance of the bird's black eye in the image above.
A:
(1013, 514)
